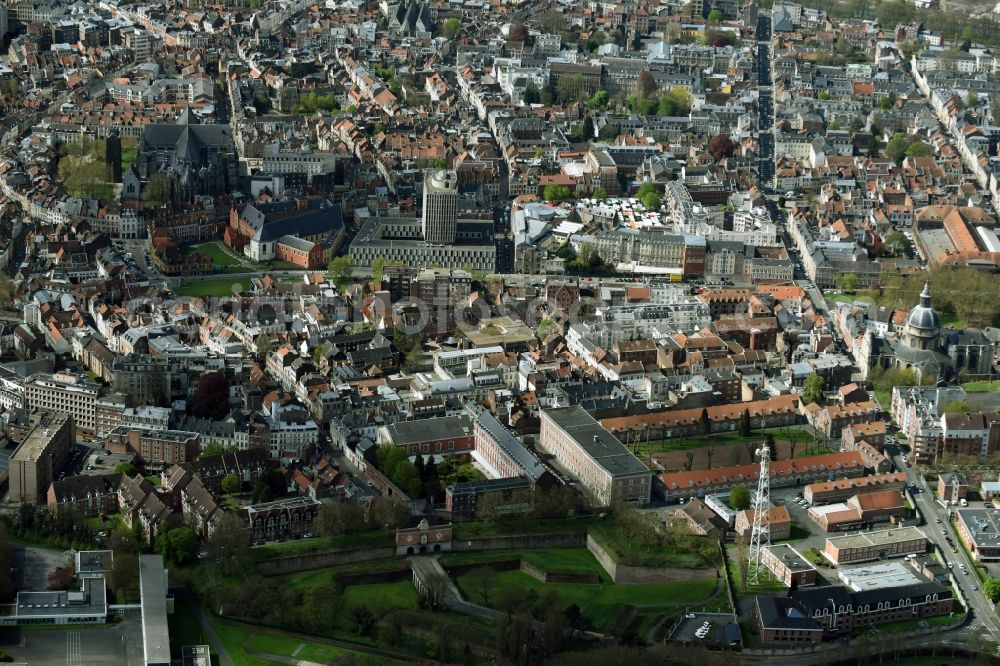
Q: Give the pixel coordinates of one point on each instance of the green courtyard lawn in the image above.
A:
(680, 444)
(220, 258)
(554, 560)
(982, 387)
(216, 287)
(232, 639)
(602, 604)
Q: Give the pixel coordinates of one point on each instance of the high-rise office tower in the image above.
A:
(440, 207)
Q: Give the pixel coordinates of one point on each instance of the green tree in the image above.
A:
(599, 193)
(599, 100)
(178, 546)
(231, 484)
(846, 281)
(812, 389)
(745, 430)
(992, 589)
(450, 28)
(126, 468)
(651, 200)
(897, 147)
(739, 498)
(158, 189)
(972, 98)
(557, 192)
(228, 545)
(704, 423)
(918, 149)
(532, 95)
(342, 266)
(896, 244)
(715, 16)
(957, 407)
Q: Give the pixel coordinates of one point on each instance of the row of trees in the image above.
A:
(968, 293)
(343, 518)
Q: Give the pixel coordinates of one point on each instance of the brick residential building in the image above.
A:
(788, 565)
(828, 492)
(84, 494)
(952, 487)
(864, 546)
(443, 436)
(281, 519)
(777, 518)
(784, 473)
(872, 432)
(155, 446)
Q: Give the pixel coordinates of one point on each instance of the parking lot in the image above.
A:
(689, 629)
(80, 646)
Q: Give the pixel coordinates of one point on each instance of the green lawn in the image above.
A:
(219, 257)
(216, 287)
(846, 298)
(372, 539)
(602, 603)
(555, 560)
(766, 585)
(780, 435)
(232, 639)
(690, 552)
(238, 640)
(982, 387)
(381, 597)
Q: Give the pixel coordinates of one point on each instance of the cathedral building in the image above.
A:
(926, 347)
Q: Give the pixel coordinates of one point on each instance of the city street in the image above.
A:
(983, 612)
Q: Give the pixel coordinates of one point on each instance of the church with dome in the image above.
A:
(922, 344)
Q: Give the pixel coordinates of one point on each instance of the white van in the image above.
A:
(962, 502)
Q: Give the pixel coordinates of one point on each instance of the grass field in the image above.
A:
(555, 560)
(216, 287)
(219, 257)
(238, 640)
(982, 387)
(381, 597)
(664, 445)
(601, 604)
(683, 554)
(372, 539)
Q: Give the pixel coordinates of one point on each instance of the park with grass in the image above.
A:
(219, 287)
(220, 258)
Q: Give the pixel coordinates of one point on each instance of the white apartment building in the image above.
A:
(66, 393)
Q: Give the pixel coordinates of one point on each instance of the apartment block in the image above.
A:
(37, 460)
(591, 454)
